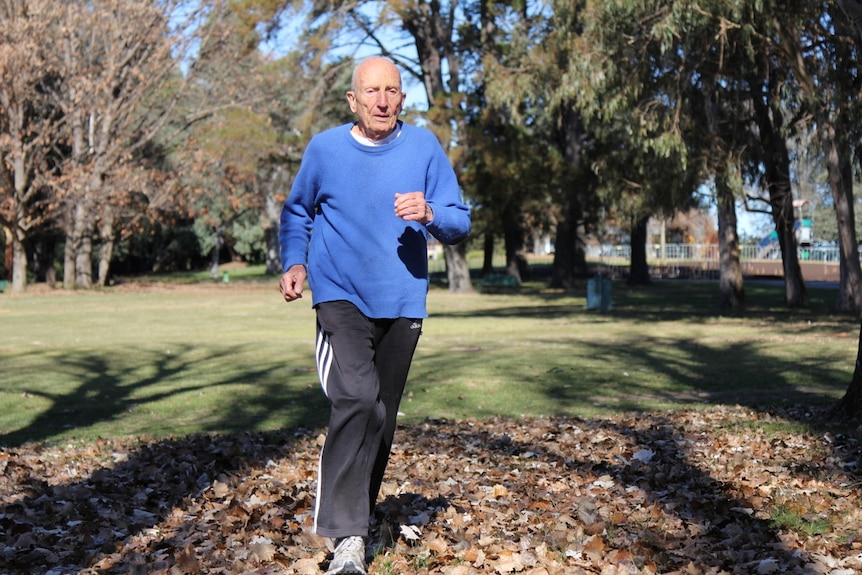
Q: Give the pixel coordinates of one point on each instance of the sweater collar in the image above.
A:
(375, 143)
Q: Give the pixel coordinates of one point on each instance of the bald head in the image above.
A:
(374, 62)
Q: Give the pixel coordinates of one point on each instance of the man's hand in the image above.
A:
(411, 207)
(292, 282)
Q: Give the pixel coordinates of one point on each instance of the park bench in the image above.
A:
(499, 282)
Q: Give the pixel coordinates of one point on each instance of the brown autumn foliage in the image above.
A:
(717, 491)
(95, 99)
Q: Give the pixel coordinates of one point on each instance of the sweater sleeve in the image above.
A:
(297, 215)
(451, 222)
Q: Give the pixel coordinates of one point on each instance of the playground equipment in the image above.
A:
(803, 226)
(803, 229)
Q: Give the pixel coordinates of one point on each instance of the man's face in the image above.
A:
(376, 98)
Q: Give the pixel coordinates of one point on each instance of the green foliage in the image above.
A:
(249, 241)
(206, 235)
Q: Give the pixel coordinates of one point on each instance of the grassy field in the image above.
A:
(172, 358)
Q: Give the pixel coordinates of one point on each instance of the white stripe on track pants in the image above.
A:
(363, 365)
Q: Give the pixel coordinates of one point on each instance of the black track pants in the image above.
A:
(363, 365)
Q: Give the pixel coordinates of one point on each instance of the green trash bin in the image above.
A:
(599, 293)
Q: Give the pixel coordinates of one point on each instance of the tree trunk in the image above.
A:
(106, 250)
(562, 271)
(270, 231)
(850, 406)
(638, 267)
(7, 252)
(457, 270)
(840, 173)
(731, 292)
(280, 180)
(579, 260)
(71, 264)
(218, 243)
(19, 263)
(84, 261)
(82, 245)
(781, 200)
(22, 189)
(566, 256)
(488, 254)
(776, 159)
(513, 238)
(41, 259)
(69, 251)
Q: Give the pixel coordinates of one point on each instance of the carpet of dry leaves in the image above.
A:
(692, 492)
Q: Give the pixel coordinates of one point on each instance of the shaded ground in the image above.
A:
(728, 490)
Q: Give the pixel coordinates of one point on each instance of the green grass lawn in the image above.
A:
(193, 355)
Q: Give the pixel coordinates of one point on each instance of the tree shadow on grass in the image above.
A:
(674, 300)
(609, 373)
(108, 388)
(636, 373)
(691, 374)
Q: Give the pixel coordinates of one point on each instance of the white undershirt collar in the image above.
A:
(369, 142)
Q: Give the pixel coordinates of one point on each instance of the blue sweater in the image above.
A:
(339, 219)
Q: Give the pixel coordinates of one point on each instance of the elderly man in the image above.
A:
(356, 221)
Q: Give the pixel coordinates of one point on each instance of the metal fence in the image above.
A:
(707, 253)
(672, 254)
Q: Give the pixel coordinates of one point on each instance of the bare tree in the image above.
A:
(127, 66)
(29, 134)
(92, 96)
